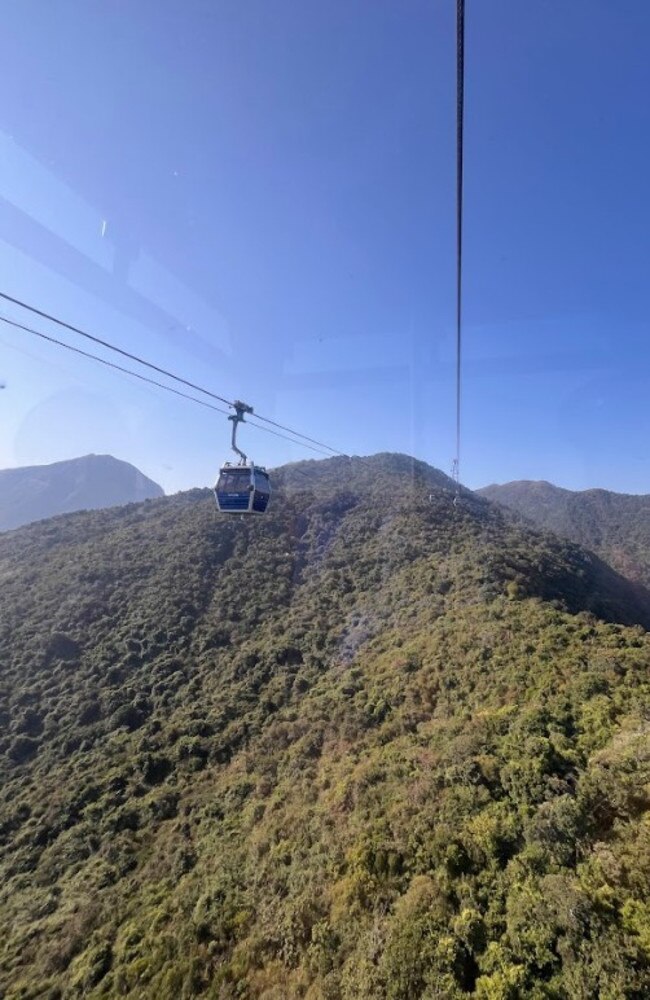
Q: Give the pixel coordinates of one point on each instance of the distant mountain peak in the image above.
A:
(32, 493)
(615, 525)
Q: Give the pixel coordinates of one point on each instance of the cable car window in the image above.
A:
(234, 481)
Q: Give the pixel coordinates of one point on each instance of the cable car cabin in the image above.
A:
(242, 489)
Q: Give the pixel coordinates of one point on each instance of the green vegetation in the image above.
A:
(615, 525)
(374, 745)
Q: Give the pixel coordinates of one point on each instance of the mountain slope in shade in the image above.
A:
(36, 492)
(615, 525)
(375, 744)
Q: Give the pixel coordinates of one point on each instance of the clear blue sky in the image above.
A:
(259, 194)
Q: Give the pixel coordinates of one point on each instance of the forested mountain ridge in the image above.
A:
(36, 492)
(374, 744)
(615, 525)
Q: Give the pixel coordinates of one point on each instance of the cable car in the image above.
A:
(244, 488)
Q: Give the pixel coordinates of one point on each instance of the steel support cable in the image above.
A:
(285, 437)
(111, 347)
(161, 371)
(145, 378)
(176, 392)
(304, 437)
(460, 109)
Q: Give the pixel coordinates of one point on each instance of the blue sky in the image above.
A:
(260, 195)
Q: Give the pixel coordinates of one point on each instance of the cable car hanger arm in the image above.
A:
(238, 418)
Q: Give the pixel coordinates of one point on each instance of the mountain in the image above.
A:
(615, 525)
(379, 743)
(36, 492)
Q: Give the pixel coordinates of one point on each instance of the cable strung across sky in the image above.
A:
(319, 445)
(159, 385)
(460, 113)
(297, 437)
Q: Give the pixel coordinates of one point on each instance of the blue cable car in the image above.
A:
(244, 488)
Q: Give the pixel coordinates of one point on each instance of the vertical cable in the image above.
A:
(460, 106)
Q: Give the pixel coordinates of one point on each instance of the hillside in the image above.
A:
(615, 525)
(35, 492)
(373, 745)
